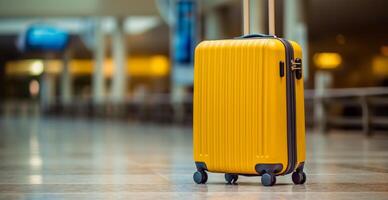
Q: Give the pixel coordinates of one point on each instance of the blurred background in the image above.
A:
(96, 97)
(133, 60)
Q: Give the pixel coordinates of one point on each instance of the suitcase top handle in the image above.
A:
(256, 35)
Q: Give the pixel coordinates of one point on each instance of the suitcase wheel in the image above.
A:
(200, 177)
(268, 179)
(299, 177)
(231, 178)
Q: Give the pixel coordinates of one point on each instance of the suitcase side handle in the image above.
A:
(256, 35)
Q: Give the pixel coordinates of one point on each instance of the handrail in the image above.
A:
(361, 96)
(346, 92)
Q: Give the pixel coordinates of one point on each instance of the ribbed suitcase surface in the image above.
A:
(240, 105)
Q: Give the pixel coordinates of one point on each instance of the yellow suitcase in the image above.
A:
(249, 109)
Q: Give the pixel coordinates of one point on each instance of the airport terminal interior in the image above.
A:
(96, 97)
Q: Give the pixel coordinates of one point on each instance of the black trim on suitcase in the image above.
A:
(291, 108)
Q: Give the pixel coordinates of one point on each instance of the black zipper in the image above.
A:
(291, 108)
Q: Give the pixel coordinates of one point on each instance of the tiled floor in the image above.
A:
(83, 159)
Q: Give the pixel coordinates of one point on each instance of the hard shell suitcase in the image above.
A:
(249, 109)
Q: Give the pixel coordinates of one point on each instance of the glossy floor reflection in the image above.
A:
(84, 159)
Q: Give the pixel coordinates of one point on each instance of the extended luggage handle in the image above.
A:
(296, 65)
(246, 17)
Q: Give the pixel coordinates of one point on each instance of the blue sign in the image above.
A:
(45, 38)
(185, 32)
(185, 39)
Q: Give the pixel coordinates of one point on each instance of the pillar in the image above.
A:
(119, 78)
(47, 82)
(295, 28)
(66, 88)
(47, 89)
(323, 81)
(213, 24)
(98, 79)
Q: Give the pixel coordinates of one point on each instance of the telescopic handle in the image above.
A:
(247, 21)
(271, 17)
(246, 17)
